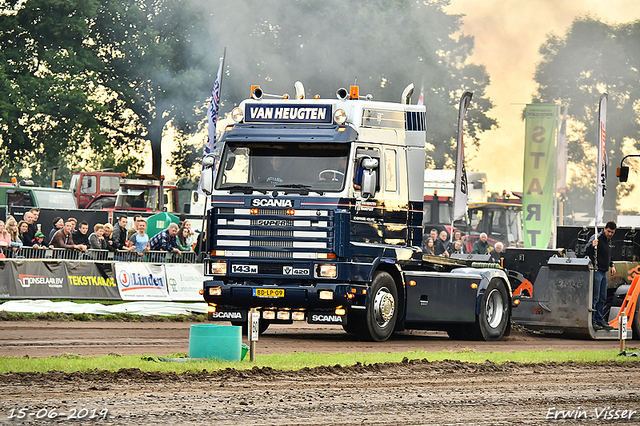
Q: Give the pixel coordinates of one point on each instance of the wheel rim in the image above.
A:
(384, 307)
(494, 308)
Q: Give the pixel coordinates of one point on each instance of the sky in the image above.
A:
(508, 34)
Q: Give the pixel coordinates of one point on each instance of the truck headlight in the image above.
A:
(340, 116)
(237, 115)
(217, 268)
(215, 291)
(325, 295)
(326, 270)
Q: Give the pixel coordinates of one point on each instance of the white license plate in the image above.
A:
(244, 269)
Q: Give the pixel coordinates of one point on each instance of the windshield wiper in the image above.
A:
(303, 189)
(245, 189)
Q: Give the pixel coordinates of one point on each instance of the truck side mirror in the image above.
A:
(623, 173)
(206, 178)
(369, 176)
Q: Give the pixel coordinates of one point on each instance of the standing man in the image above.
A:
(120, 233)
(440, 244)
(603, 264)
(30, 218)
(166, 240)
(64, 239)
(481, 246)
(81, 235)
(497, 253)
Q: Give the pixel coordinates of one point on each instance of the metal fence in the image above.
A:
(101, 255)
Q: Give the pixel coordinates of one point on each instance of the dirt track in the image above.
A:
(46, 338)
(413, 392)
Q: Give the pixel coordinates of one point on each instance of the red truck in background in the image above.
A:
(95, 190)
(99, 189)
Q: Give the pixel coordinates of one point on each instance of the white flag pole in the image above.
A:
(601, 177)
(461, 189)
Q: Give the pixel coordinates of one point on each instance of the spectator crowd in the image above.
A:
(69, 234)
(439, 244)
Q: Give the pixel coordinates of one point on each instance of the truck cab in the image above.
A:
(25, 194)
(316, 214)
(95, 189)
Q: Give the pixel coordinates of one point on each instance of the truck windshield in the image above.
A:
(260, 166)
(137, 198)
(55, 199)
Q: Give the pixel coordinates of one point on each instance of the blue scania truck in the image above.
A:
(316, 215)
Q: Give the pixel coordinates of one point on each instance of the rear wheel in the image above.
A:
(493, 319)
(379, 320)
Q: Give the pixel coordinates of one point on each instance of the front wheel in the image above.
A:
(379, 320)
(493, 319)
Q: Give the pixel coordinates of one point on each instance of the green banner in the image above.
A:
(539, 167)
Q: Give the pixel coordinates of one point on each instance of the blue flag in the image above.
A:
(212, 112)
(212, 119)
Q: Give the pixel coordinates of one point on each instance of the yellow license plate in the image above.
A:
(268, 292)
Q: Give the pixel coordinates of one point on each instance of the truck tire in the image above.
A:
(354, 319)
(461, 331)
(351, 326)
(493, 319)
(379, 320)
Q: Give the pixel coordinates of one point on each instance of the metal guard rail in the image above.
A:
(30, 253)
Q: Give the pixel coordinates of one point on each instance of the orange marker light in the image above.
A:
(354, 92)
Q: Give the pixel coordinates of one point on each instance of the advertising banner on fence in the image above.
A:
(68, 280)
(6, 280)
(141, 281)
(185, 282)
(92, 281)
(37, 280)
(539, 168)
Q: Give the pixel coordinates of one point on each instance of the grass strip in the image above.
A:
(294, 361)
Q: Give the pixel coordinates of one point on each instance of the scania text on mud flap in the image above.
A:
(316, 215)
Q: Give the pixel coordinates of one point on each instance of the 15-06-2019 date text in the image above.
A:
(52, 413)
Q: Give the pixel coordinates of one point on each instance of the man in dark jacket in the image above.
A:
(64, 239)
(481, 246)
(599, 252)
(120, 233)
(440, 244)
(81, 235)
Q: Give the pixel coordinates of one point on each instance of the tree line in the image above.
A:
(90, 83)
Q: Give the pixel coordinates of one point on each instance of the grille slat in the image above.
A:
(270, 233)
(261, 243)
(273, 233)
(272, 254)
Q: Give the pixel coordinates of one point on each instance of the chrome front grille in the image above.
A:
(272, 233)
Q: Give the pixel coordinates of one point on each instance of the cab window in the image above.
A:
(19, 198)
(88, 185)
(390, 171)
